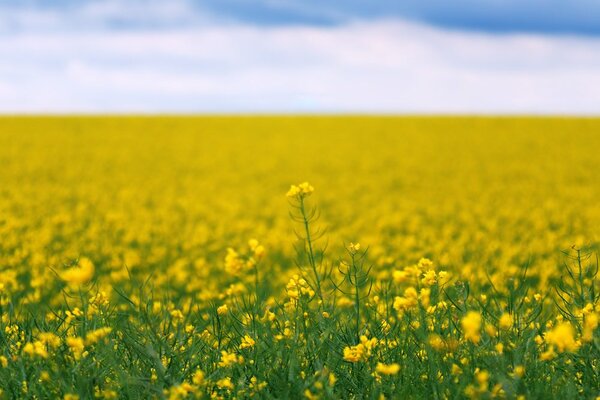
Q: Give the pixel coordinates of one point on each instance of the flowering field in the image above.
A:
(170, 258)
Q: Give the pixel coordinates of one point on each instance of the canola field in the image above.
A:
(299, 258)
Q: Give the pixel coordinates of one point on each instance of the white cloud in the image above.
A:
(381, 66)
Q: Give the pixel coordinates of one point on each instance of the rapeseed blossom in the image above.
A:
(247, 342)
(562, 337)
(228, 359)
(361, 351)
(471, 325)
(505, 321)
(80, 274)
(387, 369)
(168, 289)
(77, 347)
(299, 191)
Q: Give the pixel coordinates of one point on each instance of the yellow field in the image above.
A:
(155, 203)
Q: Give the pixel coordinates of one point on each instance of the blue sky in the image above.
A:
(541, 16)
(548, 16)
(374, 56)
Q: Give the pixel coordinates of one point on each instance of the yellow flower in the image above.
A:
(482, 377)
(257, 248)
(44, 376)
(107, 394)
(36, 348)
(590, 323)
(302, 190)
(436, 342)
(491, 330)
(443, 277)
(499, 348)
(519, 371)
(247, 342)
(331, 379)
(354, 247)
(49, 339)
(297, 287)
(400, 276)
(387, 369)
(306, 188)
(178, 392)
(506, 321)
(425, 297)
(471, 325)
(225, 383)
(80, 274)
(548, 354)
(234, 264)
(255, 385)
(228, 359)
(408, 301)
(222, 310)
(360, 352)
(562, 337)
(456, 370)
(198, 377)
(77, 347)
(293, 192)
(253, 243)
(429, 278)
(177, 314)
(95, 336)
(353, 353)
(385, 326)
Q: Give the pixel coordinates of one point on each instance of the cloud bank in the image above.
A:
(378, 66)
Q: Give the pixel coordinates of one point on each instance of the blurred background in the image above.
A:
(300, 56)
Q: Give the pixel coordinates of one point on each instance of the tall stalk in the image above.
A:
(309, 249)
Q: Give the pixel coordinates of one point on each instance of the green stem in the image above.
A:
(256, 283)
(311, 256)
(356, 298)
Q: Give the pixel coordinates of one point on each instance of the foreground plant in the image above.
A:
(355, 331)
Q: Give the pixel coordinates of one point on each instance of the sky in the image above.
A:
(309, 56)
